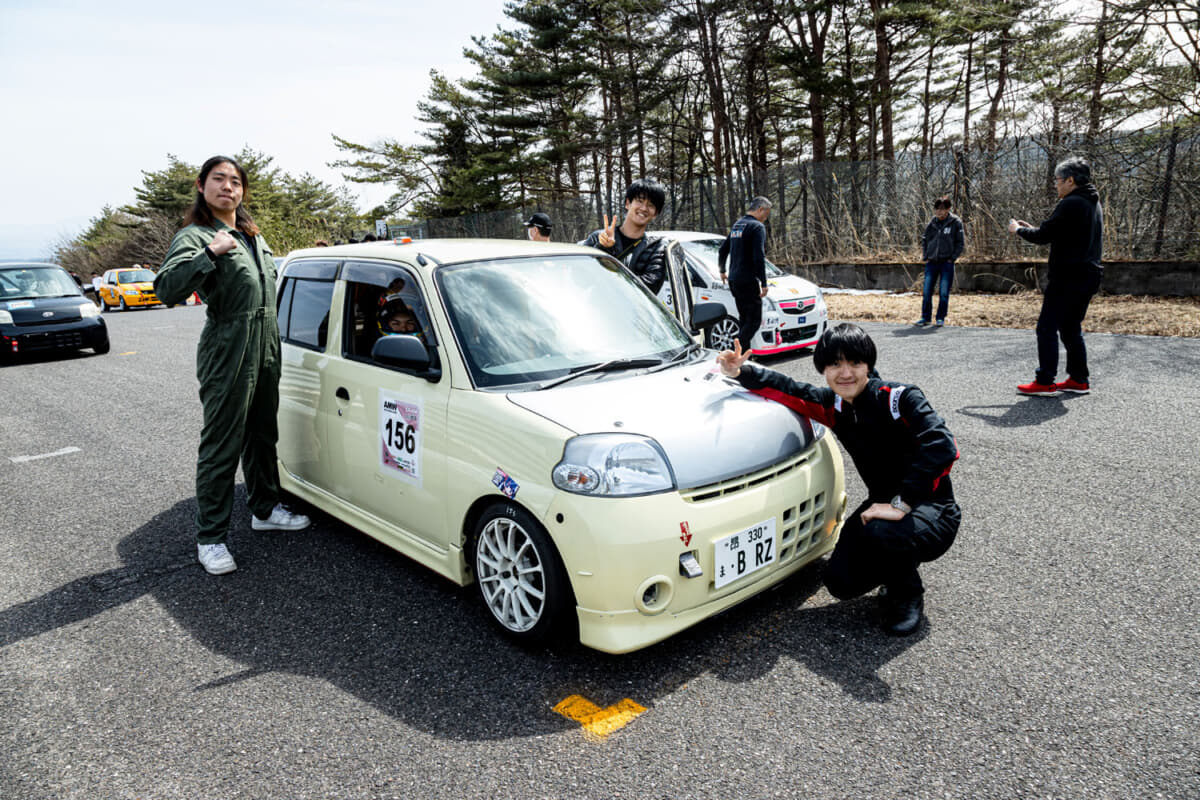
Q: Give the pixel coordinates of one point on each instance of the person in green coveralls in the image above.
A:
(221, 255)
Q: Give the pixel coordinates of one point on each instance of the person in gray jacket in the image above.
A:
(942, 243)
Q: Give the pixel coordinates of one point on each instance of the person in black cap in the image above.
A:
(539, 226)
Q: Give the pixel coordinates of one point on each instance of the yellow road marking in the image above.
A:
(128, 353)
(599, 721)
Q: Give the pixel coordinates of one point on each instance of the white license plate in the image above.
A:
(744, 552)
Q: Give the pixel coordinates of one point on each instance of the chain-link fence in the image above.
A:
(863, 211)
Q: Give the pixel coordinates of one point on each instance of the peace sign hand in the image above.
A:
(730, 361)
(608, 232)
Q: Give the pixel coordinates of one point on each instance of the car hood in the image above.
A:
(41, 310)
(710, 428)
(790, 287)
(141, 286)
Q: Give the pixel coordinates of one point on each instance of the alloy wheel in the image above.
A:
(511, 574)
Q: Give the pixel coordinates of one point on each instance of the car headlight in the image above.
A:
(613, 465)
(130, 292)
(5, 318)
(88, 309)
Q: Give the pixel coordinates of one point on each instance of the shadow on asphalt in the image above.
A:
(916, 330)
(331, 603)
(1024, 412)
(44, 356)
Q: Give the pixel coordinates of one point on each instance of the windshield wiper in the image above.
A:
(605, 366)
(682, 355)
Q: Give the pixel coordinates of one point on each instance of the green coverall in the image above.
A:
(237, 364)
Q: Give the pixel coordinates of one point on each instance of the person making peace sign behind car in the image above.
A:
(221, 255)
(903, 452)
(646, 258)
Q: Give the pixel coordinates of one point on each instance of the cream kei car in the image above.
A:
(552, 435)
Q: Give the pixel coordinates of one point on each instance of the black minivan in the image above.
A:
(42, 309)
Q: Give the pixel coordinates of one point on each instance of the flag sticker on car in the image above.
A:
(400, 437)
(505, 483)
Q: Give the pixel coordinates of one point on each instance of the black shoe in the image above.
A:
(902, 616)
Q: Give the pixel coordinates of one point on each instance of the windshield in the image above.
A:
(135, 276)
(32, 282)
(705, 252)
(523, 320)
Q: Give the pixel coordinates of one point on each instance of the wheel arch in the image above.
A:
(471, 520)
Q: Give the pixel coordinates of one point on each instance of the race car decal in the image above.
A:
(400, 437)
(505, 483)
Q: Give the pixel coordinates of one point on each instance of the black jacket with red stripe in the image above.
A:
(899, 444)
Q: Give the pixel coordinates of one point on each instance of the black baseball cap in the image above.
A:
(540, 220)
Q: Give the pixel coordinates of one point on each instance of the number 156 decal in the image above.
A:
(400, 437)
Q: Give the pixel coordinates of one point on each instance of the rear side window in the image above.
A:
(304, 312)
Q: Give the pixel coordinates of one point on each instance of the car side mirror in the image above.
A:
(407, 353)
(705, 314)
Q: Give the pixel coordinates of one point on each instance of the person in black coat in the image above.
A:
(746, 248)
(1075, 233)
(644, 256)
(903, 452)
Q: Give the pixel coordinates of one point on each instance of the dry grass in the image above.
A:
(1148, 316)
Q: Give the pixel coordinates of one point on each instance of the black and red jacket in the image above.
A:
(899, 444)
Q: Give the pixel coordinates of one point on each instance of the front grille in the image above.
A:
(803, 528)
(799, 307)
(57, 340)
(712, 491)
(807, 333)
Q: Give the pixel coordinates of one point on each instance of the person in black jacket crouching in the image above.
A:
(903, 452)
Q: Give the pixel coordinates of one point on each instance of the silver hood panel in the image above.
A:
(710, 428)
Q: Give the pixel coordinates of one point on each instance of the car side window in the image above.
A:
(381, 300)
(304, 320)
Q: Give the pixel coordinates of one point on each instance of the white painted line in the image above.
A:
(23, 459)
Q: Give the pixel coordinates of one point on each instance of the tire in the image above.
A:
(722, 334)
(121, 300)
(520, 576)
(103, 305)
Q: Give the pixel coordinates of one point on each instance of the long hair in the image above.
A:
(201, 214)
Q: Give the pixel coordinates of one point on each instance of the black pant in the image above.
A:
(887, 552)
(749, 306)
(1063, 307)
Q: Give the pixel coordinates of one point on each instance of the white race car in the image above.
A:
(794, 313)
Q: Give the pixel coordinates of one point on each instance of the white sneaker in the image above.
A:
(216, 558)
(280, 520)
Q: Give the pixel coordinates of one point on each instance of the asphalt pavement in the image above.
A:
(1059, 659)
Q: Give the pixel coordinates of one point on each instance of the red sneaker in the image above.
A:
(1074, 387)
(1039, 389)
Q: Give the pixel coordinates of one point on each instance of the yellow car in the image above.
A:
(554, 436)
(127, 288)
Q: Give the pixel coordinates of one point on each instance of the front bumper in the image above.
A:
(611, 561)
(142, 299)
(790, 335)
(74, 335)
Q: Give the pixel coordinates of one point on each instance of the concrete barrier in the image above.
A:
(1155, 278)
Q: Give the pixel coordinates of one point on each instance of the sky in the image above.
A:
(95, 93)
